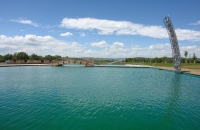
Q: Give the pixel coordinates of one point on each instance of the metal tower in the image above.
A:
(174, 44)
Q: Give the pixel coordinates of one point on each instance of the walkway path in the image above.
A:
(185, 70)
(12, 65)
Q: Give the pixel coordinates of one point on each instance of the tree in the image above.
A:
(14, 57)
(35, 57)
(186, 54)
(22, 56)
(8, 56)
(156, 59)
(2, 58)
(194, 58)
(182, 60)
(190, 58)
(57, 57)
(48, 57)
(164, 59)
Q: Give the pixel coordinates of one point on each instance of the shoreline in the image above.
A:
(13, 65)
(184, 70)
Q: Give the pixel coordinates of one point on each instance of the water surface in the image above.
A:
(97, 98)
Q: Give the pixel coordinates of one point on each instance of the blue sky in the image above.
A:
(91, 28)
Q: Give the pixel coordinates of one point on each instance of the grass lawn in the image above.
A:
(188, 66)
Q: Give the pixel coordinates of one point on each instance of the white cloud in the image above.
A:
(41, 45)
(191, 50)
(160, 46)
(67, 34)
(197, 23)
(112, 27)
(118, 44)
(49, 26)
(24, 21)
(160, 50)
(184, 34)
(99, 44)
(82, 34)
(44, 45)
(108, 27)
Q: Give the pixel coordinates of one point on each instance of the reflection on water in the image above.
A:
(173, 103)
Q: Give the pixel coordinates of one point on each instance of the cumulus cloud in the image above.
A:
(191, 50)
(99, 44)
(41, 45)
(160, 50)
(118, 44)
(67, 34)
(184, 34)
(108, 27)
(197, 23)
(159, 46)
(24, 21)
(113, 27)
(44, 45)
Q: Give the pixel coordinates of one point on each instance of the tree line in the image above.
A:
(164, 59)
(25, 56)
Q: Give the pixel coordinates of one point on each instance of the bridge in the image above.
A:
(118, 61)
(86, 62)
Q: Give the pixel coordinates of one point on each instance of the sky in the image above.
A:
(98, 28)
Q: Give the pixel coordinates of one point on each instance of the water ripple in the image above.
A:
(97, 98)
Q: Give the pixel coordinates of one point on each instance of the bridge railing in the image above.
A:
(86, 62)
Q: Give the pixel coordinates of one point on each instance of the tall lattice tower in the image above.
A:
(174, 44)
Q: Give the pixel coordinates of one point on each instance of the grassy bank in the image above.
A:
(188, 66)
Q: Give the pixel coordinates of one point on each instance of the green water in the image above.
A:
(97, 98)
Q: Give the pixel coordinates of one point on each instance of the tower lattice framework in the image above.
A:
(174, 44)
